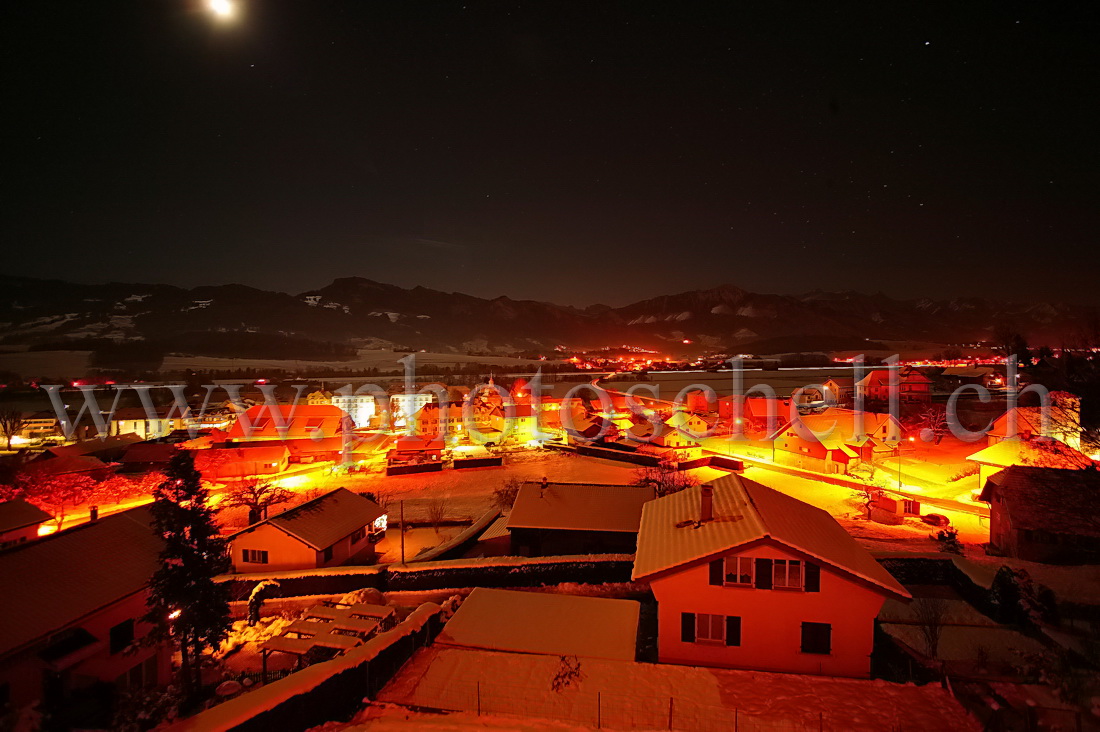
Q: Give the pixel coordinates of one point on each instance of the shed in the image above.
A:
(544, 623)
(576, 518)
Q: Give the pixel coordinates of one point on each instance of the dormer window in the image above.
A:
(787, 574)
(739, 571)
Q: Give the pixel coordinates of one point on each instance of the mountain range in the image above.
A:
(359, 312)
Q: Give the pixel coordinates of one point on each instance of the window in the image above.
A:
(787, 574)
(142, 675)
(710, 629)
(817, 638)
(327, 554)
(357, 535)
(255, 556)
(739, 570)
(122, 635)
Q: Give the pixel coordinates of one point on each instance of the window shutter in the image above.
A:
(813, 577)
(716, 572)
(763, 574)
(733, 630)
(687, 627)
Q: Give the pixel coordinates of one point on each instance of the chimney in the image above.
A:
(706, 504)
(93, 513)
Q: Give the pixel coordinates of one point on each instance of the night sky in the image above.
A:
(577, 152)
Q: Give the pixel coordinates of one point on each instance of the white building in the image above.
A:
(404, 406)
(360, 407)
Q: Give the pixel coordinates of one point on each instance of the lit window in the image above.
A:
(739, 570)
(787, 574)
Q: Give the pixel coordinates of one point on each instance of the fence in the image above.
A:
(603, 709)
(434, 575)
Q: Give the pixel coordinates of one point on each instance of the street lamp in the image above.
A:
(911, 439)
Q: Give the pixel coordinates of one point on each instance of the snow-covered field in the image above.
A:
(75, 363)
(383, 360)
(61, 364)
(628, 695)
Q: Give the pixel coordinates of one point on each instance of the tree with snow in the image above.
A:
(186, 605)
(57, 494)
(256, 600)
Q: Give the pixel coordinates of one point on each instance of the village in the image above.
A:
(834, 556)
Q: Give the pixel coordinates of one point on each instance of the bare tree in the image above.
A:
(257, 496)
(12, 423)
(505, 496)
(868, 494)
(931, 612)
(665, 477)
(437, 511)
(933, 418)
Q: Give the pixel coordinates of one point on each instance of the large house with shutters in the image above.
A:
(748, 577)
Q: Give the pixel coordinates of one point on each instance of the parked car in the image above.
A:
(935, 519)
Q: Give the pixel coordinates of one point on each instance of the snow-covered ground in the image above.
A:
(628, 695)
(384, 360)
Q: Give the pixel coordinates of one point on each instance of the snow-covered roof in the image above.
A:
(745, 511)
(149, 452)
(52, 583)
(579, 507)
(1055, 500)
(94, 445)
(544, 623)
(1041, 452)
(64, 465)
(18, 514)
(325, 520)
(496, 530)
(842, 424)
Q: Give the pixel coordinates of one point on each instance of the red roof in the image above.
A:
(288, 421)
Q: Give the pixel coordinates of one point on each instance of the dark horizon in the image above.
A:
(572, 154)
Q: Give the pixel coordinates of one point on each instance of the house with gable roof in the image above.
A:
(288, 422)
(71, 621)
(913, 386)
(1044, 514)
(836, 440)
(748, 577)
(333, 529)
